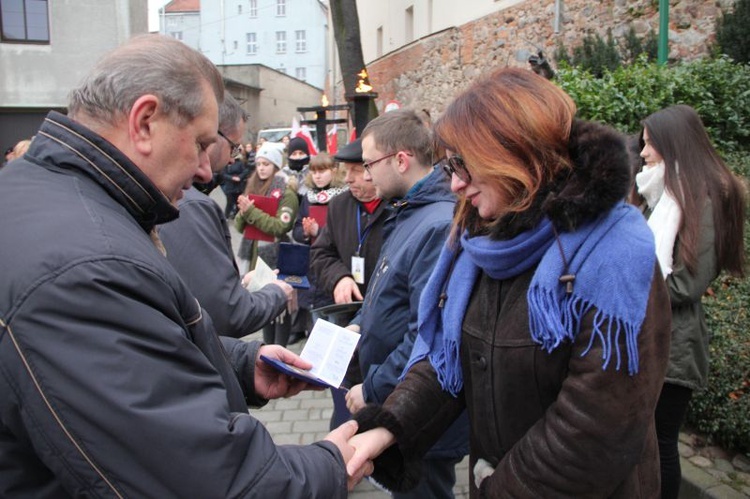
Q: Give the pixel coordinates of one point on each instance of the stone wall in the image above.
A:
(427, 73)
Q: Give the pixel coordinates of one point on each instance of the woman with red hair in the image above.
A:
(545, 313)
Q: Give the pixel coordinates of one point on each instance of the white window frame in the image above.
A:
(281, 42)
(280, 8)
(300, 73)
(253, 9)
(300, 36)
(252, 43)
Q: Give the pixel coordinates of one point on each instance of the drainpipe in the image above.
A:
(558, 14)
(663, 32)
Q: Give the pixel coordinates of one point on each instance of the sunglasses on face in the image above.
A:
(455, 166)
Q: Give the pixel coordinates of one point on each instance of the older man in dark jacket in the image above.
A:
(114, 383)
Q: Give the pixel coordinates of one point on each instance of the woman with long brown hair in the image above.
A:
(696, 209)
(542, 317)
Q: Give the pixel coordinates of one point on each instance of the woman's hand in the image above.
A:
(310, 227)
(244, 203)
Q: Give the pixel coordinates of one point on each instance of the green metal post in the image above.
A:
(663, 31)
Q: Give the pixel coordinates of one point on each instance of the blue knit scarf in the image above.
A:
(612, 259)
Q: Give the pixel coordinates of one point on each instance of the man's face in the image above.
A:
(220, 152)
(180, 154)
(382, 172)
(361, 189)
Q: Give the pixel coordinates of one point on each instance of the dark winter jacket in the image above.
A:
(413, 235)
(688, 359)
(550, 424)
(238, 170)
(199, 246)
(113, 382)
(331, 253)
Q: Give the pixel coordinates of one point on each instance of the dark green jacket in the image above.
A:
(688, 358)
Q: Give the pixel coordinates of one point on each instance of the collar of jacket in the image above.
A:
(71, 146)
(599, 178)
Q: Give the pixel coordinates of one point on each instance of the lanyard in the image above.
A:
(361, 235)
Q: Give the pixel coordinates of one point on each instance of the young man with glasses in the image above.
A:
(398, 157)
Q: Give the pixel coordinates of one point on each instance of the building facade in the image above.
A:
(420, 53)
(290, 36)
(47, 47)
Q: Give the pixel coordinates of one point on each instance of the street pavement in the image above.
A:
(304, 419)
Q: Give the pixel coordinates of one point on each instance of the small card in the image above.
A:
(329, 349)
(358, 269)
(261, 275)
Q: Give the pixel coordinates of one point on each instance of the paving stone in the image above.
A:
(742, 463)
(700, 461)
(717, 474)
(296, 415)
(279, 427)
(723, 465)
(685, 450)
(291, 403)
(743, 477)
(715, 452)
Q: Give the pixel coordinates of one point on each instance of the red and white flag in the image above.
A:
(332, 141)
(304, 132)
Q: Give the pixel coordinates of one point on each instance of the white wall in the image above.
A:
(183, 26)
(429, 16)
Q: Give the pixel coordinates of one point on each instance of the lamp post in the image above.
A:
(663, 48)
(361, 99)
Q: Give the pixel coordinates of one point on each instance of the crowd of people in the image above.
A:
(524, 295)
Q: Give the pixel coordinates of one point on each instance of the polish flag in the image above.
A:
(304, 132)
(332, 140)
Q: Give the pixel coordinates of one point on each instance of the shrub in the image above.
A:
(733, 32)
(718, 89)
(721, 410)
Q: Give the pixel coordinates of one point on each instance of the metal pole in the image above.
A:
(663, 52)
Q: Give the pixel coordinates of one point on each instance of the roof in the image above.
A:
(183, 6)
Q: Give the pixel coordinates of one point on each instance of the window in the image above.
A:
(239, 9)
(235, 44)
(280, 8)
(301, 38)
(252, 43)
(253, 8)
(177, 35)
(281, 70)
(24, 21)
(281, 42)
(301, 73)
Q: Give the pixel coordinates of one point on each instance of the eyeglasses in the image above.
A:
(369, 164)
(455, 165)
(236, 148)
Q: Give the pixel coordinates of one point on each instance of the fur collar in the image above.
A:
(600, 177)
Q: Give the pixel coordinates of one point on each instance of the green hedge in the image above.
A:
(723, 409)
(718, 89)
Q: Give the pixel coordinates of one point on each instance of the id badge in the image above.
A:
(358, 269)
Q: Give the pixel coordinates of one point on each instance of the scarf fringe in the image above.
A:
(552, 323)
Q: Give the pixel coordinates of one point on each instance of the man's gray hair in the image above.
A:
(147, 64)
(230, 114)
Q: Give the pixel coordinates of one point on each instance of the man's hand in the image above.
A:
(346, 291)
(368, 445)
(272, 384)
(286, 288)
(355, 399)
(340, 438)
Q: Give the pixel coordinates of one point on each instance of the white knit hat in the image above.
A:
(272, 152)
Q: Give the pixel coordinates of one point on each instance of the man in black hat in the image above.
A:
(343, 256)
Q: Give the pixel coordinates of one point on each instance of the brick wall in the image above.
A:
(428, 72)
